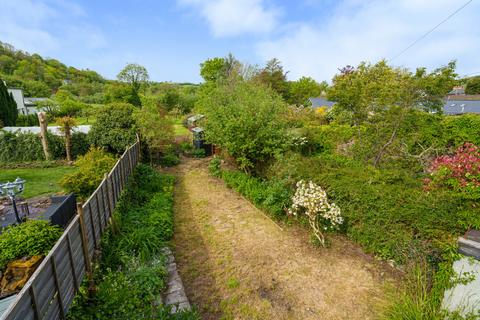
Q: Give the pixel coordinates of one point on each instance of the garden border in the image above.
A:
(49, 292)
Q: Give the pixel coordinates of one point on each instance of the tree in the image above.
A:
(135, 75)
(473, 85)
(305, 88)
(272, 75)
(8, 106)
(156, 129)
(121, 92)
(66, 125)
(246, 120)
(381, 98)
(114, 129)
(212, 69)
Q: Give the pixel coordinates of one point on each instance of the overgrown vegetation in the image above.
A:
(371, 154)
(91, 169)
(132, 273)
(34, 237)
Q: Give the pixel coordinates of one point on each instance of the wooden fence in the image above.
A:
(51, 289)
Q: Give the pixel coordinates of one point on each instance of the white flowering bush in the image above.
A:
(310, 199)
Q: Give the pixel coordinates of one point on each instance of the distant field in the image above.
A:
(40, 181)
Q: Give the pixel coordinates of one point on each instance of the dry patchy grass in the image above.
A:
(238, 264)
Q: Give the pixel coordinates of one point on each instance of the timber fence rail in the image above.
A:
(52, 287)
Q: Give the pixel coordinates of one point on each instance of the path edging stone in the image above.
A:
(175, 294)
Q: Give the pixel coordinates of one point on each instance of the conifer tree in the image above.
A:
(8, 106)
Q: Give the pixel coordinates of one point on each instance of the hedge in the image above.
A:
(27, 147)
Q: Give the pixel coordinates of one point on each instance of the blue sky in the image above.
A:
(311, 37)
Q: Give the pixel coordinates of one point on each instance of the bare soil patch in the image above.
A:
(238, 264)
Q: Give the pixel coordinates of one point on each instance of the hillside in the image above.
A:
(42, 77)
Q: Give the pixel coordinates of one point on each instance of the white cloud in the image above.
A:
(356, 31)
(47, 26)
(234, 17)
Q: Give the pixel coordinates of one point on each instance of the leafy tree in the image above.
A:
(114, 129)
(136, 76)
(212, 69)
(305, 88)
(8, 107)
(272, 75)
(473, 85)
(65, 104)
(121, 92)
(381, 98)
(154, 127)
(246, 120)
(66, 125)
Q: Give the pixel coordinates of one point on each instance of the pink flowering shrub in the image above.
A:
(459, 172)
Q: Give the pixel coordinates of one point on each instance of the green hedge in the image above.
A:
(271, 196)
(132, 273)
(386, 210)
(27, 147)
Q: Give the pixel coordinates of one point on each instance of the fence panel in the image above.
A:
(52, 288)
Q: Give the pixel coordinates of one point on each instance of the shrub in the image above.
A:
(30, 120)
(198, 153)
(459, 172)
(245, 120)
(91, 169)
(169, 160)
(273, 197)
(34, 237)
(385, 210)
(114, 129)
(311, 200)
(214, 167)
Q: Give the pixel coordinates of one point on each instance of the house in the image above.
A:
(458, 90)
(25, 106)
(32, 104)
(17, 94)
(452, 107)
(321, 102)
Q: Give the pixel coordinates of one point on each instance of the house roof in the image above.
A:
(33, 101)
(461, 106)
(320, 102)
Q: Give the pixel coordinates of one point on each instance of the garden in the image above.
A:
(351, 212)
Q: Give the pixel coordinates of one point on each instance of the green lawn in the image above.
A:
(180, 130)
(39, 181)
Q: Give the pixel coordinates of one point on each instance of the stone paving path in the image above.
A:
(237, 264)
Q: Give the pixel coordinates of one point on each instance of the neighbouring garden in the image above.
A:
(383, 175)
